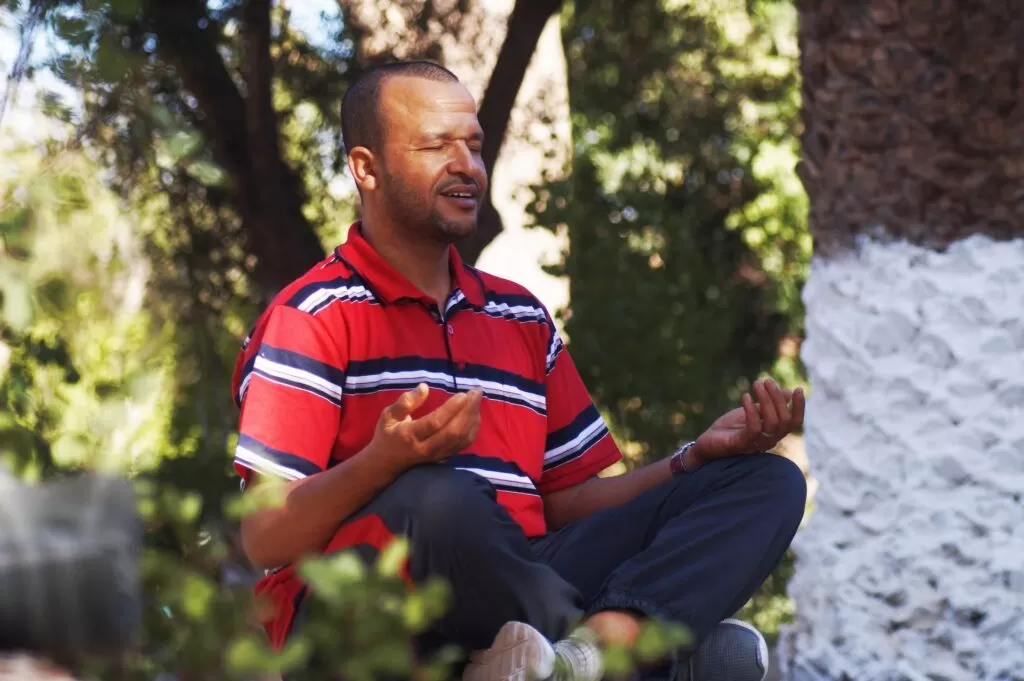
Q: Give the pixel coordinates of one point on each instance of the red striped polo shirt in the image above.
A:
(343, 341)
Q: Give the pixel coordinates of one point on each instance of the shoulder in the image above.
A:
(311, 295)
(508, 297)
(329, 282)
(302, 310)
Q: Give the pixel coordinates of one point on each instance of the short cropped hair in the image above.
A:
(360, 106)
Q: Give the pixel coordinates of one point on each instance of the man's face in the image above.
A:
(431, 173)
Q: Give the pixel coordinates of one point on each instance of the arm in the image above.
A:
(312, 510)
(578, 445)
(596, 494)
(290, 413)
(315, 506)
(750, 428)
(291, 400)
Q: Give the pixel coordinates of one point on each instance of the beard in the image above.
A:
(421, 214)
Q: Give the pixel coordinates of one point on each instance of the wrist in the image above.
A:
(384, 460)
(692, 457)
(683, 460)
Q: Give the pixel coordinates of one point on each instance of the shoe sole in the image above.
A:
(519, 653)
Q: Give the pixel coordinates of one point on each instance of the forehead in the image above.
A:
(414, 107)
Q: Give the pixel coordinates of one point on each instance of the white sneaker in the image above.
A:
(521, 653)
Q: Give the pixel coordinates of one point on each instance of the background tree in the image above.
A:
(124, 345)
(685, 220)
(205, 75)
(913, 161)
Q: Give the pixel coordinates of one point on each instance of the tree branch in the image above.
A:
(525, 25)
(243, 134)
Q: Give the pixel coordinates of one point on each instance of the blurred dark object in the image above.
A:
(24, 668)
(68, 553)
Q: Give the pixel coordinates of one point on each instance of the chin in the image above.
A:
(451, 231)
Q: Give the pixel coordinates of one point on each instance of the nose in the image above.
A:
(466, 161)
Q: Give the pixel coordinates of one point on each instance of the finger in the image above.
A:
(781, 405)
(455, 434)
(769, 418)
(799, 403)
(408, 402)
(753, 418)
(425, 426)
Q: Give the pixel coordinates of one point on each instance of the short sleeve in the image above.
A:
(290, 391)
(578, 444)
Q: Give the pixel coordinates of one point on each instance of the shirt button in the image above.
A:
(451, 330)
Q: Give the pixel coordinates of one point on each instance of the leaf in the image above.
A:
(14, 220)
(55, 294)
(73, 29)
(17, 309)
(197, 594)
(207, 173)
(181, 144)
(268, 494)
(425, 605)
(245, 655)
(392, 558)
(162, 117)
(657, 639)
(112, 62)
(124, 10)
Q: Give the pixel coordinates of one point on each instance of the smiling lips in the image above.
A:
(463, 195)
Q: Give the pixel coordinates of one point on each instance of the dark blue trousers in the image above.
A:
(692, 550)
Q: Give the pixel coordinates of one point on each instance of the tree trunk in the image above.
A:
(914, 162)
(525, 25)
(243, 135)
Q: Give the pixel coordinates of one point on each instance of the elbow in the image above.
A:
(257, 544)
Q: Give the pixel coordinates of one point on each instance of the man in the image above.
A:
(403, 392)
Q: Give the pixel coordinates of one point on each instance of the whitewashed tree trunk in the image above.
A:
(911, 567)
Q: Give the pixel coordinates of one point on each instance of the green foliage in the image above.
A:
(684, 219)
(686, 224)
(126, 284)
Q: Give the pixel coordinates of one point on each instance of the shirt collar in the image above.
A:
(390, 285)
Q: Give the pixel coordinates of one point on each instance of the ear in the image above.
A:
(362, 165)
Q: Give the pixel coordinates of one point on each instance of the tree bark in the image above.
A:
(914, 120)
(525, 25)
(243, 135)
(913, 164)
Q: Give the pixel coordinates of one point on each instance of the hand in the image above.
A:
(407, 442)
(752, 428)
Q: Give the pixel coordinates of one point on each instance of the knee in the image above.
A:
(441, 500)
(785, 485)
(773, 482)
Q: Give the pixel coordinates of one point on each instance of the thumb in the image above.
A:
(409, 402)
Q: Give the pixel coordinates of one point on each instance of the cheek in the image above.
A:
(482, 170)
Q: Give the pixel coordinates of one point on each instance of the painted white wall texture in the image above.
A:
(912, 564)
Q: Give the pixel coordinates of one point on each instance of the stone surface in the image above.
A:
(912, 564)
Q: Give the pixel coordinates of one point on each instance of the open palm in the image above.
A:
(754, 426)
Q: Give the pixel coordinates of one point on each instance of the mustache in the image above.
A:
(460, 181)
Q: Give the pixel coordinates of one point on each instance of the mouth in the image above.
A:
(464, 196)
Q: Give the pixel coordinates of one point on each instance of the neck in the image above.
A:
(424, 263)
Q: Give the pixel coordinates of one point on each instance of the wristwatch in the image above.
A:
(677, 464)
